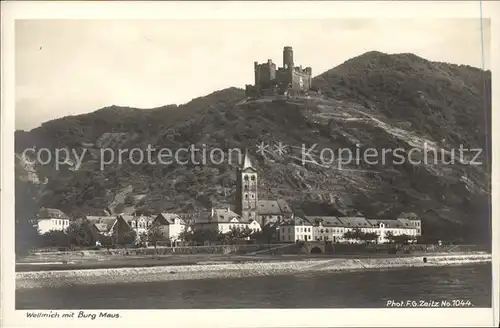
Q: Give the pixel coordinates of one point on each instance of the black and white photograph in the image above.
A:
(210, 163)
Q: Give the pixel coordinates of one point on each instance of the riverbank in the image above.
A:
(228, 269)
(69, 262)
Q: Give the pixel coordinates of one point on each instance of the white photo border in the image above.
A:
(13, 10)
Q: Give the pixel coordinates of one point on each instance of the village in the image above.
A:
(253, 220)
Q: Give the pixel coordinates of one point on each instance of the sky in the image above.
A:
(70, 67)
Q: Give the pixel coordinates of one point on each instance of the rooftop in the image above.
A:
(51, 213)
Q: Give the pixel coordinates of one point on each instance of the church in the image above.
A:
(249, 206)
(250, 211)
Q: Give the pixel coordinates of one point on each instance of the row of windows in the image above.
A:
(141, 224)
(61, 222)
(299, 229)
(299, 237)
(326, 238)
(332, 230)
(237, 226)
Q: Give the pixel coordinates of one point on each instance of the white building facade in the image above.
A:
(296, 229)
(224, 220)
(139, 223)
(170, 224)
(49, 219)
(46, 225)
(333, 229)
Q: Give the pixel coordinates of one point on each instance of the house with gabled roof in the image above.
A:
(394, 227)
(51, 219)
(411, 219)
(107, 225)
(331, 228)
(139, 223)
(295, 229)
(224, 219)
(171, 225)
(271, 212)
(327, 228)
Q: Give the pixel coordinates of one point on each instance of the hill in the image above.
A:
(374, 100)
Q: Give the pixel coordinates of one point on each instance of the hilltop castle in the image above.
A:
(289, 79)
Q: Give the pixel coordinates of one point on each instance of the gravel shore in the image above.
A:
(230, 270)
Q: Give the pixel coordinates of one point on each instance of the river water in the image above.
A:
(362, 289)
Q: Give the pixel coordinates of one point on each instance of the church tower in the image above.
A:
(246, 190)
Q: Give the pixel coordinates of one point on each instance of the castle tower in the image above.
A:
(288, 57)
(257, 73)
(246, 190)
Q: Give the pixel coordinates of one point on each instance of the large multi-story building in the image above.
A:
(171, 225)
(224, 219)
(289, 79)
(139, 223)
(296, 229)
(331, 228)
(50, 219)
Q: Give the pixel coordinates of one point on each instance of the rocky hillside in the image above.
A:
(375, 101)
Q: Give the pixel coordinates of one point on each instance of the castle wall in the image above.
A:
(284, 77)
(301, 81)
(265, 73)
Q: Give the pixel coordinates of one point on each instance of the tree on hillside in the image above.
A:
(143, 239)
(402, 239)
(187, 235)
(121, 237)
(27, 236)
(369, 237)
(105, 240)
(246, 232)
(235, 233)
(398, 239)
(267, 235)
(354, 234)
(54, 238)
(155, 234)
(389, 236)
(202, 236)
(81, 233)
(26, 208)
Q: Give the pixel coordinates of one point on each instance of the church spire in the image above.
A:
(246, 162)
